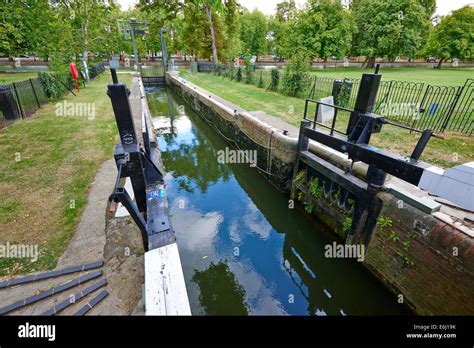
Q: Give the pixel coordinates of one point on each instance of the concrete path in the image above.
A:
(89, 240)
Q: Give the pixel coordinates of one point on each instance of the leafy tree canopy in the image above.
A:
(453, 37)
(389, 28)
(253, 32)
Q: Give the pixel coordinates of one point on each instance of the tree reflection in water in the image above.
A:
(186, 156)
(220, 293)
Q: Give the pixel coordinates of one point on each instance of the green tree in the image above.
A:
(93, 24)
(306, 32)
(253, 32)
(202, 26)
(209, 6)
(430, 7)
(389, 28)
(331, 24)
(11, 40)
(296, 78)
(169, 14)
(24, 30)
(231, 24)
(285, 11)
(453, 37)
(195, 28)
(162, 12)
(23, 27)
(280, 28)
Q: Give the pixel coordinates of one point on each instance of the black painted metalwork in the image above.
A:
(50, 274)
(76, 297)
(355, 143)
(50, 292)
(413, 104)
(92, 303)
(141, 165)
(154, 80)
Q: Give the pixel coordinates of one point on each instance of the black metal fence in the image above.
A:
(21, 99)
(206, 67)
(95, 70)
(416, 105)
(462, 119)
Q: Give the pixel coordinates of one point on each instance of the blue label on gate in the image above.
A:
(160, 193)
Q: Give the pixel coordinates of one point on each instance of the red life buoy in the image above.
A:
(74, 74)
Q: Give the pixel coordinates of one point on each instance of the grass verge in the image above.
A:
(47, 167)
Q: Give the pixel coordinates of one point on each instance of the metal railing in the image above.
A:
(206, 67)
(153, 80)
(462, 119)
(21, 99)
(338, 109)
(96, 70)
(416, 105)
(315, 122)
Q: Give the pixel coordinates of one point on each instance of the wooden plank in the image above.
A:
(76, 297)
(50, 274)
(89, 305)
(165, 289)
(35, 298)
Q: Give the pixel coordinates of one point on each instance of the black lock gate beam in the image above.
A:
(150, 212)
(362, 124)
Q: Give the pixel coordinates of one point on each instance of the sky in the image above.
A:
(268, 6)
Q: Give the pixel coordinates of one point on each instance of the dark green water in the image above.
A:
(242, 249)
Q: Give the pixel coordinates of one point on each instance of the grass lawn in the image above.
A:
(14, 77)
(443, 77)
(44, 193)
(452, 150)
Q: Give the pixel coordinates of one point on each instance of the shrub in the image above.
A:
(347, 224)
(52, 86)
(218, 69)
(248, 70)
(238, 74)
(260, 81)
(314, 188)
(275, 74)
(344, 94)
(296, 79)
